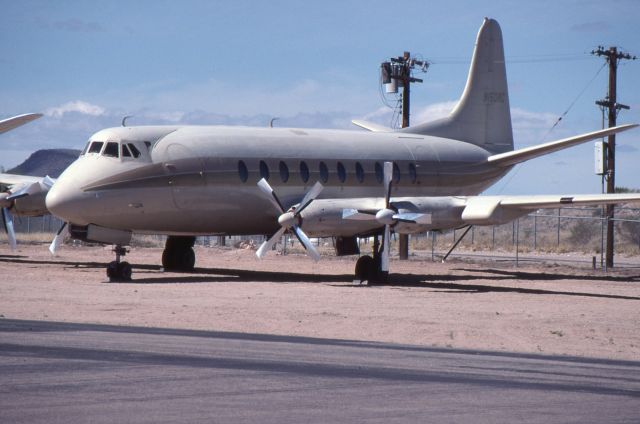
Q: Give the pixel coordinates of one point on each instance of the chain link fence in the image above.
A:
(575, 234)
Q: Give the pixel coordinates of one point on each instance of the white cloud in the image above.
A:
(78, 106)
(433, 112)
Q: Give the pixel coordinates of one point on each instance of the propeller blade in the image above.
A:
(304, 240)
(413, 218)
(357, 215)
(58, 239)
(388, 177)
(48, 182)
(384, 255)
(271, 194)
(7, 219)
(267, 245)
(310, 196)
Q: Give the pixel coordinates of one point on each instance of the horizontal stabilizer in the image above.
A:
(370, 126)
(521, 155)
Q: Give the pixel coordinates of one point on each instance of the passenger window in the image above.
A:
(243, 171)
(264, 170)
(359, 172)
(96, 146)
(379, 173)
(134, 150)
(324, 172)
(111, 150)
(342, 174)
(125, 151)
(304, 172)
(284, 172)
(396, 173)
(413, 175)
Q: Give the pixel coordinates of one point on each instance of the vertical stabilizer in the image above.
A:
(482, 115)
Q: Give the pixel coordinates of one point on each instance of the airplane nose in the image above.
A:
(63, 201)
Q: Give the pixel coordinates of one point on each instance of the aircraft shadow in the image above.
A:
(446, 282)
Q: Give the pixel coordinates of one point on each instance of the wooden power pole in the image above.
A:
(398, 73)
(612, 56)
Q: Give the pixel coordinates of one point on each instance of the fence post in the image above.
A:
(535, 231)
(493, 237)
(433, 245)
(517, 223)
(559, 227)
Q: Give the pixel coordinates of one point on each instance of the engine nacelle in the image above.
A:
(324, 217)
(32, 205)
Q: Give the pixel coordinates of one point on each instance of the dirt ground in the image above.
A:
(487, 306)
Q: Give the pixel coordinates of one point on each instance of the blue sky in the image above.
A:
(87, 64)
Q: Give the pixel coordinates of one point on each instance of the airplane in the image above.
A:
(187, 181)
(32, 190)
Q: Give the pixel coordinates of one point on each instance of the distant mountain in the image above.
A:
(49, 162)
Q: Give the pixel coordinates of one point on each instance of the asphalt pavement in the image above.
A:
(80, 373)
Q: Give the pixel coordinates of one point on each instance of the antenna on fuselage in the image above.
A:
(272, 121)
(124, 120)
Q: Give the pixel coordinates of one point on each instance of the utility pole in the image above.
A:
(612, 56)
(397, 72)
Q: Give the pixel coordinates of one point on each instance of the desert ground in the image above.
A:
(541, 309)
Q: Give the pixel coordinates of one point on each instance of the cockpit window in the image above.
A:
(111, 149)
(96, 146)
(148, 144)
(125, 151)
(86, 147)
(134, 150)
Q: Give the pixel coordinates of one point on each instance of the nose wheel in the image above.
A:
(118, 270)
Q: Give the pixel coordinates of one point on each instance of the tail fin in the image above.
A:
(482, 116)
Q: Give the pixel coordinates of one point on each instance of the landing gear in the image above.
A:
(178, 254)
(116, 270)
(369, 268)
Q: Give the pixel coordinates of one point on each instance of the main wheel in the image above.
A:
(168, 258)
(185, 260)
(365, 268)
(178, 259)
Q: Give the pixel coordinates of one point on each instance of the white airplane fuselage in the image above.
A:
(197, 180)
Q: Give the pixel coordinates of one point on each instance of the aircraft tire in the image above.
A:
(168, 259)
(365, 268)
(186, 260)
(178, 259)
(119, 271)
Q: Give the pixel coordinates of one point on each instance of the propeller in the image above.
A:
(290, 219)
(7, 201)
(58, 239)
(388, 216)
(7, 220)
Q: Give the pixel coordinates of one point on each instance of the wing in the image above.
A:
(490, 210)
(14, 122)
